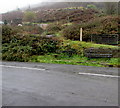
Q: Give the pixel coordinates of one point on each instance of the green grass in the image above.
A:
(90, 44)
(76, 60)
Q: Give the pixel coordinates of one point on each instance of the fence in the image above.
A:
(111, 39)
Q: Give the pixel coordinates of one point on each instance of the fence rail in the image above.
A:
(111, 39)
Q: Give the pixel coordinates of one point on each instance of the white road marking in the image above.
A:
(101, 75)
(22, 67)
(80, 73)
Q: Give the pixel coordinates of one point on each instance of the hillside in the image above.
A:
(67, 20)
(66, 14)
(59, 41)
(52, 11)
(58, 5)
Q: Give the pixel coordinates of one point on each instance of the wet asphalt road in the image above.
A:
(57, 85)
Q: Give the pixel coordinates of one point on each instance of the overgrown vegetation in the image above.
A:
(59, 41)
(34, 48)
(102, 25)
(20, 47)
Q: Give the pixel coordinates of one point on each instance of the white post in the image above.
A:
(80, 34)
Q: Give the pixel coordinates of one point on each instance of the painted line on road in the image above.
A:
(22, 67)
(100, 75)
(80, 73)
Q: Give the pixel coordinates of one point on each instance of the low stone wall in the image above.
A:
(101, 53)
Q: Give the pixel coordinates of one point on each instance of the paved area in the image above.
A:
(39, 84)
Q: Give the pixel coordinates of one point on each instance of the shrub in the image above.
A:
(72, 32)
(104, 25)
(16, 53)
(70, 48)
(7, 33)
(22, 48)
(53, 27)
(43, 45)
(33, 29)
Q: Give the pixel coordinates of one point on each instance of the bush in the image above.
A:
(33, 29)
(16, 53)
(43, 45)
(104, 25)
(7, 33)
(72, 32)
(70, 48)
(53, 28)
(22, 48)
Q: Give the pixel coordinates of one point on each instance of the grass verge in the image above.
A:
(77, 60)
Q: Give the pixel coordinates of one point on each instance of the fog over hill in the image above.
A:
(18, 14)
(47, 4)
(56, 5)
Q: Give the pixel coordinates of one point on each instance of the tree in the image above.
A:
(91, 6)
(119, 8)
(111, 8)
(29, 16)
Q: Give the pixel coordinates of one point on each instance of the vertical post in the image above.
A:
(80, 34)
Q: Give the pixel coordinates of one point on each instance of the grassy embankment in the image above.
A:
(79, 59)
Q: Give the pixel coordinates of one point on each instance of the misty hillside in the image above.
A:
(57, 5)
(42, 7)
(46, 6)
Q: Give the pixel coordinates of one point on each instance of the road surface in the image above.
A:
(39, 84)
